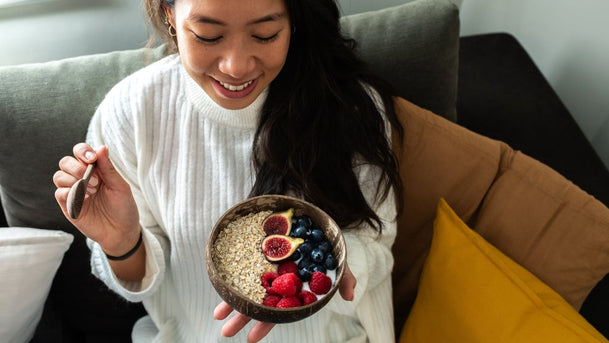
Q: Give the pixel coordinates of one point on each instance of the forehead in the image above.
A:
(231, 11)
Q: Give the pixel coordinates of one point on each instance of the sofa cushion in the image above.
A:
(472, 292)
(415, 47)
(527, 210)
(29, 259)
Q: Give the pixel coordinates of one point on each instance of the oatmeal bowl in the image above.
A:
(276, 258)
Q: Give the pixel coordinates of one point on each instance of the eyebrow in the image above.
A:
(208, 20)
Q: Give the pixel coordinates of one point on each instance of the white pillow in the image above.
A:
(29, 259)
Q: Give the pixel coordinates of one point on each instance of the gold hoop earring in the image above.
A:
(172, 31)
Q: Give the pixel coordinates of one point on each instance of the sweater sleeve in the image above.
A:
(115, 126)
(370, 259)
(369, 254)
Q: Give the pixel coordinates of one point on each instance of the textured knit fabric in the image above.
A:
(189, 160)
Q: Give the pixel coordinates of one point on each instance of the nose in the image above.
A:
(237, 60)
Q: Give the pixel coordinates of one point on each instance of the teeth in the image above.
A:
(234, 88)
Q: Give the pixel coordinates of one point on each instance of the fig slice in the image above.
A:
(279, 247)
(279, 223)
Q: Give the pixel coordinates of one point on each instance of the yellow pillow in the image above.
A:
(471, 292)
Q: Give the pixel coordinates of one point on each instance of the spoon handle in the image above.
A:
(77, 193)
(88, 172)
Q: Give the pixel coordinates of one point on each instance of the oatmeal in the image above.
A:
(238, 257)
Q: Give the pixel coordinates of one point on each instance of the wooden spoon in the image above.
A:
(76, 197)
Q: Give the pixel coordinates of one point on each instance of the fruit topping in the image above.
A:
(307, 297)
(320, 283)
(279, 247)
(330, 262)
(305, 249)
(287, 267)
(267, 281)
(287, 285)
(317, 256)
(305, 221)
(287, 302)
(317, 236)
(278, 223)
(271, 300)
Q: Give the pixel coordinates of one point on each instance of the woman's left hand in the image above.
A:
(346, 289)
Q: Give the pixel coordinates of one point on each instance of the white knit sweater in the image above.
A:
(189, 160)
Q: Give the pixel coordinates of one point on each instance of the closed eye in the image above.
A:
(266, 39)
(207, 40)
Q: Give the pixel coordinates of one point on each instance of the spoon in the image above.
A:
(76, 196)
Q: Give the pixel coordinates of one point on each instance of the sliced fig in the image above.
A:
(279, 223)
(280, 247)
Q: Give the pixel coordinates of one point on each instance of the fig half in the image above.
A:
(279, 247)
(279, 223)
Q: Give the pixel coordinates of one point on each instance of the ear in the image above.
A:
(168, 14)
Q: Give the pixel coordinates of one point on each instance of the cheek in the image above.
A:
(195, 58)
(277, 57)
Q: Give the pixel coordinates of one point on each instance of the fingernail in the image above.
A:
(93, 181)
(89, 155)
(91, 190)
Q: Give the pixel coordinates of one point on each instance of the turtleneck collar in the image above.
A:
(245, 118)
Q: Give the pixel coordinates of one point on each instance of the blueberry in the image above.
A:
(300, 231)
(317, 235)
(324, 246)
(305, 221)
(295, 256)
(305, 248)
(304, 274)
(317, 268)
(330, 262)
(305, 262)
(317, 255)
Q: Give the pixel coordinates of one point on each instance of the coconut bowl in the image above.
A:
(276, 203)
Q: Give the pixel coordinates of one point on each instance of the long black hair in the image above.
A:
(319, 119)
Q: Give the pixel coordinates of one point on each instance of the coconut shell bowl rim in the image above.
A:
(276, 203)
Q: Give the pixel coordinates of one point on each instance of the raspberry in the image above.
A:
(287, 285)
(267, 281)
(286, 302)
(320, 283)
(307, 297)
(287, 267)
(271, 300)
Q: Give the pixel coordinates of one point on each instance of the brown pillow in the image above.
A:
(524, 208)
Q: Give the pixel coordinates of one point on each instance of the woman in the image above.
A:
(261, 97)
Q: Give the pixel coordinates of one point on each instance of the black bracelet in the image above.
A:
(129, 253)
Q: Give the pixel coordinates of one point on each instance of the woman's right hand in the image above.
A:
(109, 214)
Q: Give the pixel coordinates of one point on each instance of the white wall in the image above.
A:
(56, 29)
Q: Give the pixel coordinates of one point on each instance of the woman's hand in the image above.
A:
(109, 214)
(346, 289)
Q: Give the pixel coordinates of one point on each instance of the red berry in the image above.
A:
(286, 302)
(287, 285)
(267, 281)
(320, 283)
(287, 267)
(271, 300)
(307, 297)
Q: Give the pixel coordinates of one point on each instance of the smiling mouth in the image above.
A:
(235, 88)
